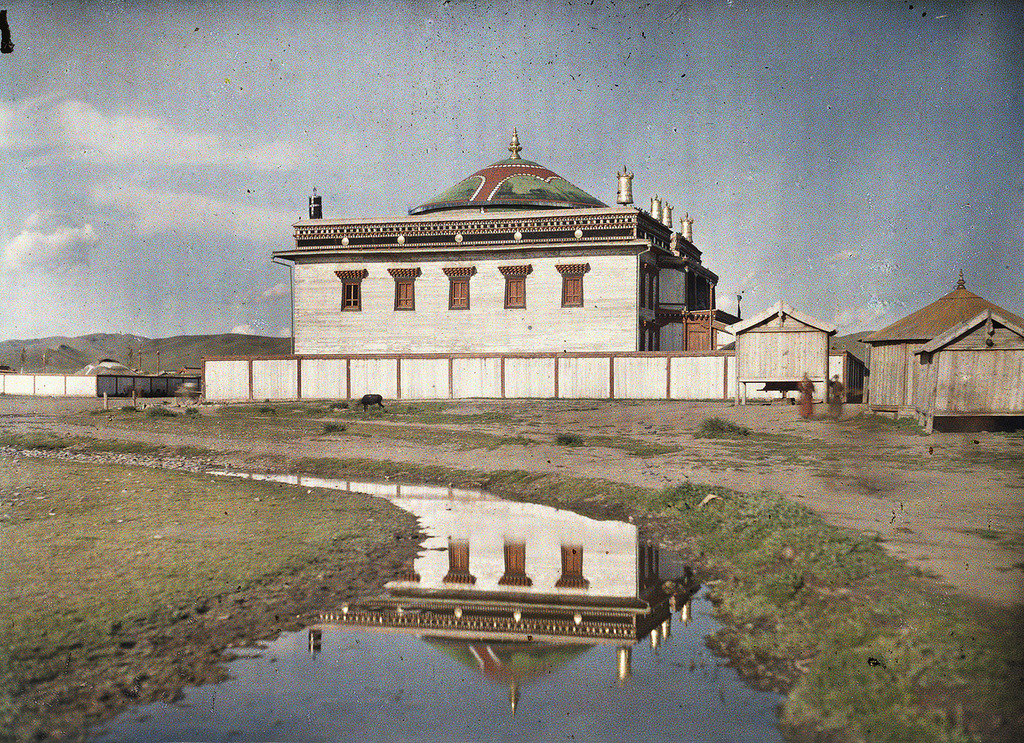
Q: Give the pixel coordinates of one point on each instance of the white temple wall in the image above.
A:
(607, 321)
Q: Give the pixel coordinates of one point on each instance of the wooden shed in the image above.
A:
(777, 347)
(895, 369)
(973, 370)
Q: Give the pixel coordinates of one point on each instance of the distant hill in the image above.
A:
(854, 343)
(71, 354)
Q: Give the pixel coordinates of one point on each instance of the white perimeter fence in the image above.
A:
(47, 385)
(675, 376)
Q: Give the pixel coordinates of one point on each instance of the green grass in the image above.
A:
(92, 555)
(334, 428)
(569, 439)
(159, 411)
(717, 428)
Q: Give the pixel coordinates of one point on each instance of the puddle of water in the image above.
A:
(515, 622)
(365, 685)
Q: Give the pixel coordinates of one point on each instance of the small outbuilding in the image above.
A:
(973, 370)
(776, 347)
(896, 367)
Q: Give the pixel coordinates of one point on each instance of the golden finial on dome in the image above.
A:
(960, 284)
(514, 147)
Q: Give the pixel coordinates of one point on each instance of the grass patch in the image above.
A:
(569, 439)
(718, 428)
(159, 411)
(334, 428)
(41, 441)
(98, 561)
(266, 410)
(873, 422)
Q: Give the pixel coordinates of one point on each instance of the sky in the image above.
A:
(848, 158)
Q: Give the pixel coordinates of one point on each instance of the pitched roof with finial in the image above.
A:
(512, 183)
(960, 305)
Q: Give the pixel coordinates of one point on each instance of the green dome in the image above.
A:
(512, 183)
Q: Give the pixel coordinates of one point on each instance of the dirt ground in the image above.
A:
(951, 504)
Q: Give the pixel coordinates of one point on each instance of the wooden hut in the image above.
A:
(777, 347)
(974, 369)
(896, 369)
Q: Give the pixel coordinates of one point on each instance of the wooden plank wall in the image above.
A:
(608, 319)
(441, 376)
(978, 382)
(48, 385)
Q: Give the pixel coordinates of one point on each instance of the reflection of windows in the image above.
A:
(458, 562)
(572, 284)
(572, 567)
(515, 566)
(458, 290)
(515, 285)
(404, 287)
(351, 289)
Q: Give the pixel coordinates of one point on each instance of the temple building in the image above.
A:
(514, 258)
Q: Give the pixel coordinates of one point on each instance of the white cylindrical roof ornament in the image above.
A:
(666, 215)
(656, 207)
(625, 195)
(687, 226)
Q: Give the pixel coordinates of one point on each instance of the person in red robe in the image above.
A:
(806, 389)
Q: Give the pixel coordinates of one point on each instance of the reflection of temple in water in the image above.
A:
(512, 589)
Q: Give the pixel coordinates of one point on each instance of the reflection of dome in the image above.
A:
(512, 183)
(509, 661)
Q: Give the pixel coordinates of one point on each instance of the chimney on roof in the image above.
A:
(316, 206)
(625, 196)
(656, 207)
(686, 224)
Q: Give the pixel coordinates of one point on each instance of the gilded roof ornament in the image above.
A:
(513, 146)
(960, 284)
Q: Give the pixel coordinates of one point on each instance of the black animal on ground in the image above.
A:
(368, 400)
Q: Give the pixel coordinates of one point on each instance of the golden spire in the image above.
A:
(513, 694)
(514, 147)
(960, 284)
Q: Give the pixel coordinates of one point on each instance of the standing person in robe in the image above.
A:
(836, 393)
(806, 389)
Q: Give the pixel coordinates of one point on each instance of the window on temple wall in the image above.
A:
(458, 289)
(351, 289)
(458, 562)
(515, 566)
(572, 283)
(572, 567)
(405, 296)
(515, 285)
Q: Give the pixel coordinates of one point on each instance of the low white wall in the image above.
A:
(324, 379)
(641, 378)
(226, 380)
(425, 379)
(438, 377)
(48, 385)
(274, 379)
(476, 377)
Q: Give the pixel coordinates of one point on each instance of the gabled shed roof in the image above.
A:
(959, 306)
(957, 331)
(781, 308)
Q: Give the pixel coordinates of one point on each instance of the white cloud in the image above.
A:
(61, 245)
(285, 332)
(155, 212)
(125, 138)
(843, 255)
(84, 132)
(245, 329)
(277, 290)
(855, 319)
